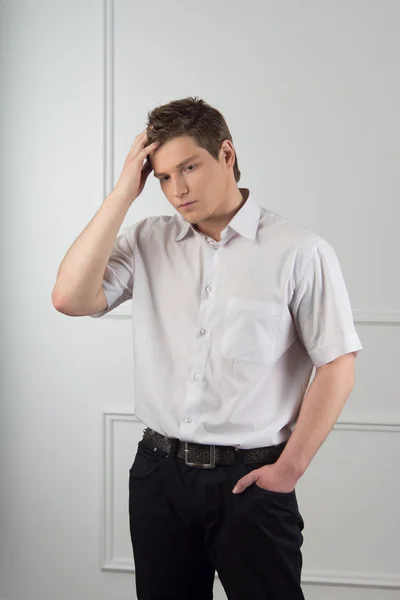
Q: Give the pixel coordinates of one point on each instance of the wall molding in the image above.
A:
(124, 310)
(119, 413)
(109, 562)
(366, 317)
(380, 317)
(351, 579)
(108, 98)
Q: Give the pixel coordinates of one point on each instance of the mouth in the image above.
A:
(186, 204)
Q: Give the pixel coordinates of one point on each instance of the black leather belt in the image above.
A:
(207, 456)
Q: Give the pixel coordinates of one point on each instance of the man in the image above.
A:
(233, 306)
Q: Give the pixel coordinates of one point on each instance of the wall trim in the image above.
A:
(124, 310)
(351, 579)
(109, 562)
(115, 412)
(388, 317)
(366, 317)
(108, 98)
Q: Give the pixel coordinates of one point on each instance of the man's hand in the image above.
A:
(135, 172)
(268, 477)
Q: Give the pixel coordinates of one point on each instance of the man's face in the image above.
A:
(188, 173)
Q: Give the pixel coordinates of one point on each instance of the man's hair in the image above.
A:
(192, 117)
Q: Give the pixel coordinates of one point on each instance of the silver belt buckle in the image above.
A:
(209, 465)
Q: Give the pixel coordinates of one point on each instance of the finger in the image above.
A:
(238, 489)
(139, 143)
(242, 484)
(146, 151)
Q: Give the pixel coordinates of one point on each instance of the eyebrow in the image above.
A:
(181, 164)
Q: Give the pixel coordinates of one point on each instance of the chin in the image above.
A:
(192, 219)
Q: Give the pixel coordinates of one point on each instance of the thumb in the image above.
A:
(244, 483)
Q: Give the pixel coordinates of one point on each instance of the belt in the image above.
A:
(207, 456)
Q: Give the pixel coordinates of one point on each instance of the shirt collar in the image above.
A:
(245, 222)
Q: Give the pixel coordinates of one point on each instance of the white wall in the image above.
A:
(311, 92)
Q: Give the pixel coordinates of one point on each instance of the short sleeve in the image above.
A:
(118, 275)
(321, 308)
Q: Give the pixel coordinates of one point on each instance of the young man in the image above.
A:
(233, 306)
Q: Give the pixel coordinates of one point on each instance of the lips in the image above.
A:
(187, 204)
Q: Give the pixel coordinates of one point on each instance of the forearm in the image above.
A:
(321, 407)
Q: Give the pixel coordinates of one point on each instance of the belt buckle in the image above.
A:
(209, 465)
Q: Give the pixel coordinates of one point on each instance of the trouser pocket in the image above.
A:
(146, 461)
(257, 465)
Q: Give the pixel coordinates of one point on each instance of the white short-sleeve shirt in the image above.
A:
(226, 334)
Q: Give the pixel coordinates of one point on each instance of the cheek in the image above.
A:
(209, 181)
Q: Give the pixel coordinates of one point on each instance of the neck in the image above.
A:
(213, 225)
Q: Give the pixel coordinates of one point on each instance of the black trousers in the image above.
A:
(186, 524)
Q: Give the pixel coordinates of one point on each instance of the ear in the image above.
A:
(228, 153)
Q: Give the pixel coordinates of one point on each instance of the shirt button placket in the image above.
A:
(197, 376)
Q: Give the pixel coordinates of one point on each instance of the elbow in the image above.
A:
(56, 300)
(60, 304)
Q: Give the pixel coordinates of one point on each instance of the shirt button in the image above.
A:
(203, 331)
(208, 288)
(197, 376)
(188, 420)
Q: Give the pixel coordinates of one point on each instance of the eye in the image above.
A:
(165, 179)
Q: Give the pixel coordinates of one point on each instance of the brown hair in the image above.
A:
(192, 117)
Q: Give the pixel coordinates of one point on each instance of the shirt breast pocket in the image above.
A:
(249, 330)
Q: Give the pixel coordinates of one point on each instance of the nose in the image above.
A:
(179, 188)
